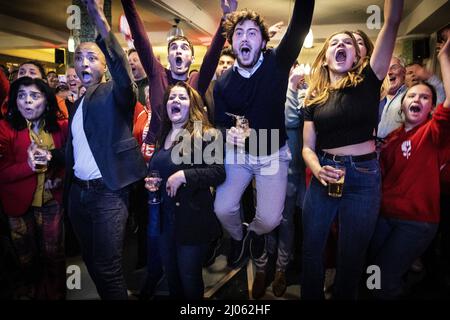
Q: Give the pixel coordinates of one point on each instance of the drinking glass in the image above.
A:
(335, 189)
(154, 183)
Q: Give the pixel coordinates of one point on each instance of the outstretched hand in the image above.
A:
(274, 29)
(94, 6)
(444, 49)
(228, 6)
(95, 11)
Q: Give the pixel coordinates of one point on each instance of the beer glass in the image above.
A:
(335, 189)
(40, 154)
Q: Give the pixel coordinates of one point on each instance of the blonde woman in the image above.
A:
(340, 117)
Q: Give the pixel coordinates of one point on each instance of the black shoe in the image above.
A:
(257, 245)
(213, 252)
(238, 251)
(259, 285)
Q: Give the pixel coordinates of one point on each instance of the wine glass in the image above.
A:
(154, 183)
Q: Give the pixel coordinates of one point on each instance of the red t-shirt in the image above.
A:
(411, 164)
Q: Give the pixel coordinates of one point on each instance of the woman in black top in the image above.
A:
(187, 215)
(340, 118)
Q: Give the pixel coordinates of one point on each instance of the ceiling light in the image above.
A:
(175, 31)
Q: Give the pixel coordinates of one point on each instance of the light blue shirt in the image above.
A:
(247, 74)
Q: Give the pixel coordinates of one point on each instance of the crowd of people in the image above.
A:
(359, 150)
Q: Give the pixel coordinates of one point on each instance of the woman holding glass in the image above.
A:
(31, 170)
(341, 115)
(188, 222)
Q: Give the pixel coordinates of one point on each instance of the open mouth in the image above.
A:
(72, 84)
(86, 76)
(392, 79)
(341, 55)
(175, 109)
(245, 52)
(415, 109)
(178, 61)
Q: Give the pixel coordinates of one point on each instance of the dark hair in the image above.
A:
(183, 38)
(129, 52)
(228, 51)
(51, 112)
(367, 42)
(37, 64)
(432, 89)
(414, 63)
(239, 16)
(196, 113)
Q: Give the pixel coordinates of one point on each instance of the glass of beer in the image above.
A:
(40, 155)
(243, 126)
(335, 188)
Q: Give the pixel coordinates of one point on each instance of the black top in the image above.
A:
(261, 97)
(349, 116)
(162, 162)
(193, 205)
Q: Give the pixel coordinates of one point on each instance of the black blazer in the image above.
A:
(195, 220)
(107, 119)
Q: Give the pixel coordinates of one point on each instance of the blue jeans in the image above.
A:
(395, 245)
(154, 264)
(357, 210)
(182, 263)
(99, 216)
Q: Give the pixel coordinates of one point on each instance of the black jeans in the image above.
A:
(99, 216)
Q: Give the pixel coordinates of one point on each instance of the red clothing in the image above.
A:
(140, 129)
(17, 180)
(4, 91)
(411, 163)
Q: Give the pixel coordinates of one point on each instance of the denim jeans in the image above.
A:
(182, 263)
(395, 245)
(357, 211)
(154, 264)
(99, 216)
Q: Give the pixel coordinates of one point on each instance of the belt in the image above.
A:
(88, 183)
(337, 158)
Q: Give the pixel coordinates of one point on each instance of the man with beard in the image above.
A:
(180, 56)
(256, 88)
(102, 156)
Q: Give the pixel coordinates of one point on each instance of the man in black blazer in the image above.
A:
(102, 155)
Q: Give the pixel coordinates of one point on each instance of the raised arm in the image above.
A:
(95, 11)
(444, 60)
(291, 44)
(212, 56)
(123, 85)
(384, 46)
(140, 38)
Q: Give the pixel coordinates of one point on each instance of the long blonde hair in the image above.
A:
(320, 84)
